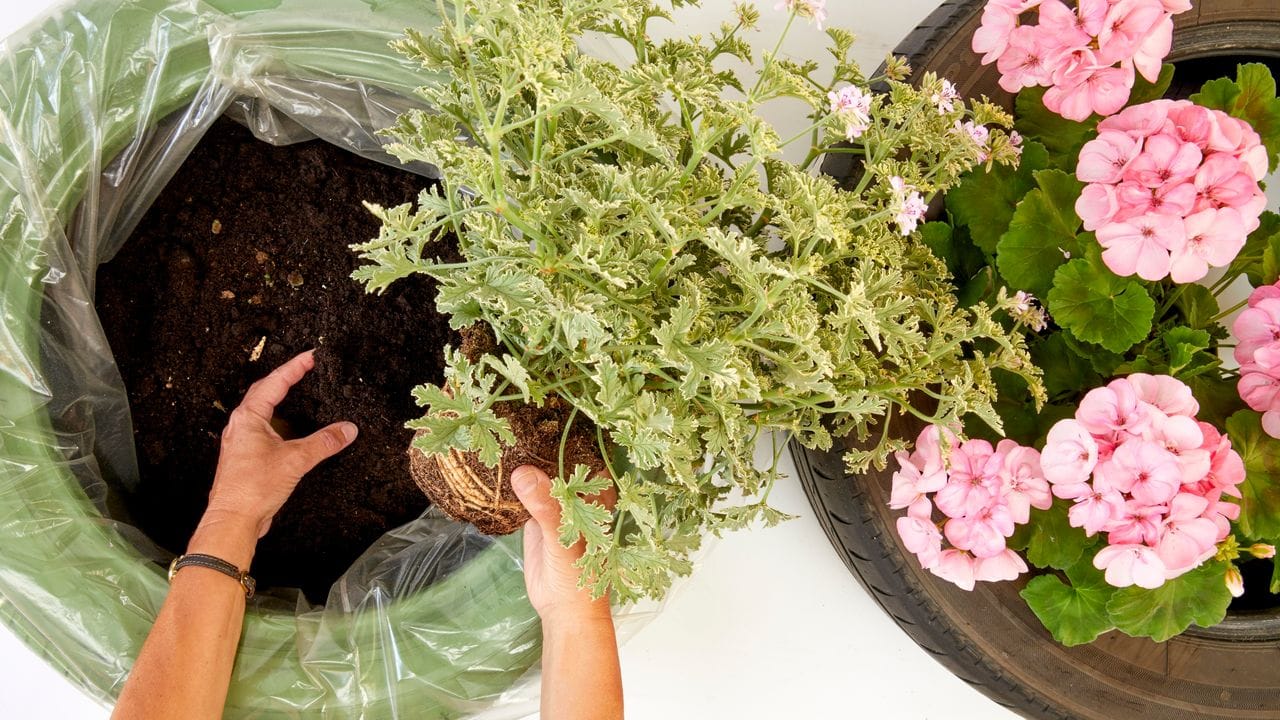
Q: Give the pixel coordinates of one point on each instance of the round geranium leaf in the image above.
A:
(1097, 306)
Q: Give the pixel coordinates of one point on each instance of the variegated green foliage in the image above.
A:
(639, 248)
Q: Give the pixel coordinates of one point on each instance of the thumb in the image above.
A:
(533, 487)
(322, 444)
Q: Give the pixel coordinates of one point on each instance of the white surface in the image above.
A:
(771, 625)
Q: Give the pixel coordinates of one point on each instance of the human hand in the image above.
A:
(549, 572)
(258, 469)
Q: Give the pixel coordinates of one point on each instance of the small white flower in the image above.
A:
(815, 9)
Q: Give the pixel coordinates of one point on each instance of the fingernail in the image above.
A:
(524, 478)
(349, 431)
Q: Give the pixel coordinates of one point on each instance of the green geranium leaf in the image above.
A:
(1183, 345)
(1015, 408)
(1098, 307)
(1077, 613)
(1260, 506)
(1197, 305)
(1217, 397)
(1103, 361)
(1063, 138)
(1053, 542)
(1065, 371)
(953, 246)
(1275, 576)
(985, 200)
(1257, 105)
(1199, 596)
(1252, 255)
(1217, 94)
(1250, 97)
(978, 288)
(1042, 233)
(1144, 91)
(1271, 260)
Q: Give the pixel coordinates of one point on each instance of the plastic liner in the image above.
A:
(100, 102)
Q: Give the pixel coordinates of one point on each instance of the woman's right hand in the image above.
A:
(549, 571)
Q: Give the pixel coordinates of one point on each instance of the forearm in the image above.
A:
(184, 669)
(582, 679)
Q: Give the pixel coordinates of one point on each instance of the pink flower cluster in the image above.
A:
(982, 492)
(1085, 55)
(908, 206)
(1141, 469)
(1257, 332)
(853, 106)
(1173, 189)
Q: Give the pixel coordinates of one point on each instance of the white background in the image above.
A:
(771, 625)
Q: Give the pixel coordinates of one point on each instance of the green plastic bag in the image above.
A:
(99, 104)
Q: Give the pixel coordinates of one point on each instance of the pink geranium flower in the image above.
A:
(1224, 181)
(1144, 470)
(1069, 456)
(1089, 89)
(956, 566)
(1187, 538)
(1106, 158)
(985, 493)
(1114, 410)
(853, 107)
(1164, 159)
(813, 9)
(1183, 438)
(1214, 238)
(1258, 325)
(1158, 493)
(1097, 510)
(1142, 245)
(1139, 524)
(921, 537)
(1126, 565)
(1098, 205)
(1166, 394)
(1026, 61)
(911, 488)
(1184, 160)
(1085, 52)
(1022, 481)
(1005, 566)
(1140, 121)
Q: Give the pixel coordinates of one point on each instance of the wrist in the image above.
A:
(227, 536)
(576, 613)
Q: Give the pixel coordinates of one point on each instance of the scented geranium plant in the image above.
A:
(646, 259)
(1131, 495)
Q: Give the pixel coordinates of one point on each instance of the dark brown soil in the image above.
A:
(247, 242)
(468, 490)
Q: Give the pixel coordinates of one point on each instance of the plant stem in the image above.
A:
(564, 438)
(1169, 300)
(1222, 315)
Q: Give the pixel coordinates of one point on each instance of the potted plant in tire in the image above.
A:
(1129, 330)
(639, 278)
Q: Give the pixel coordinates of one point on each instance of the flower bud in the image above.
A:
(1235, 582)
(1262, 551)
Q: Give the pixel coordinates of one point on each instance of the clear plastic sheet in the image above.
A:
(100, 102)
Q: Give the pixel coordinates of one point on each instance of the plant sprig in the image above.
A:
(639, 250)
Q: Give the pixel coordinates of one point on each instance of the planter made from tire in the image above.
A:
(79, 91)
(989, 637)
